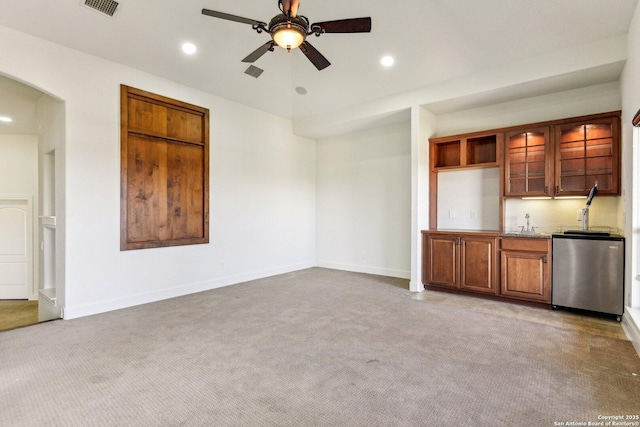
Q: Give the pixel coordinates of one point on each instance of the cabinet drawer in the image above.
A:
(525, 244)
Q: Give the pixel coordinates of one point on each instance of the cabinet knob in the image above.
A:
(544, 259)
(546, 189)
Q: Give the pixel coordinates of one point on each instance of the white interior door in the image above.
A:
(16, 247)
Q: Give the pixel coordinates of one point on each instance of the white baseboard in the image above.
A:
(177, 291)
(389, 272)
(631, 326)
(416, 287)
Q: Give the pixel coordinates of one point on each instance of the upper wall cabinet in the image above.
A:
(473, 150)
(527, 162)
(586, 152)
(564, 158)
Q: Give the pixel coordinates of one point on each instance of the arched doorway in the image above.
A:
(31, 138)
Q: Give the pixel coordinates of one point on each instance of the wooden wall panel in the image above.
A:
(165, 172)
(185, 204)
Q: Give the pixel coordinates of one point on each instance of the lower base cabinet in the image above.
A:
(526, 268)
(483, 263)
(464, 262)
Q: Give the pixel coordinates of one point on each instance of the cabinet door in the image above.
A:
(442, 260)
(587, 153)
(526, 275)
(477, 264)
(527, 162)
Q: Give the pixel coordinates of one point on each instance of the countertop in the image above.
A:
(491, 233)
(526, 235)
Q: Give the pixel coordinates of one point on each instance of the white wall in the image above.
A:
(364, 201)
(262, 216)
(469, 199)
(630, 88)
(578, 102)
(19, 165)
(423, 126)
(549, 216)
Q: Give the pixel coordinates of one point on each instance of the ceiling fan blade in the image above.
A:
(233, 18)
(256, 54)
(355, 25)
(314, 56)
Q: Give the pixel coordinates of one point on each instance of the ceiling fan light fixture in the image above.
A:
(288, 36)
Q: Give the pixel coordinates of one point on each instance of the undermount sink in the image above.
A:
(523, 233)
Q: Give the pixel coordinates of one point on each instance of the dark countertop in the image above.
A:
(526, 235)
(492, 233)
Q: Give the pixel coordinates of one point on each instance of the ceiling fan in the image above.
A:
(290, 30)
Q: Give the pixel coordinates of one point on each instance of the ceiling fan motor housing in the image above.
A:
(281, 22)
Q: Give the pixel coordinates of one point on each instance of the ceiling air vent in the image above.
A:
(108, 7)
(253, 71)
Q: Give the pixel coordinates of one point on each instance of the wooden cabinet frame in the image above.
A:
(452, 152)
(164, 184)
(521, 268)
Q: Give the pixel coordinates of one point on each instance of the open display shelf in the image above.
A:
(473, 151)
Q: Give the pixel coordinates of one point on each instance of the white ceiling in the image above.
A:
(432, 41)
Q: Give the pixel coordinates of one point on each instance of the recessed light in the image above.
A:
(189, 48)
(387, 61)
(6, 119)
(301, 91)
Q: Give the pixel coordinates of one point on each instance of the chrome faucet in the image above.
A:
(528, 229)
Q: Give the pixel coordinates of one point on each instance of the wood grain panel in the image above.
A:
(478, 265)
(145, 195)
(185, 202)
(527, 244)
(165, 171)
(526, 269)
(184, 126)
(147, 118)
(524, 276)
(443, 260)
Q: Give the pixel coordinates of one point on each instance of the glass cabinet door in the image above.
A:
(526, 162)
(586, 153)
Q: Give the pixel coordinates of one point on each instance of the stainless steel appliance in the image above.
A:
(588, 272)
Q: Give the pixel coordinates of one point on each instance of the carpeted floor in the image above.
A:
(311, 348)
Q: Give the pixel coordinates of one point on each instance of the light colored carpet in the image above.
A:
(311, 348)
